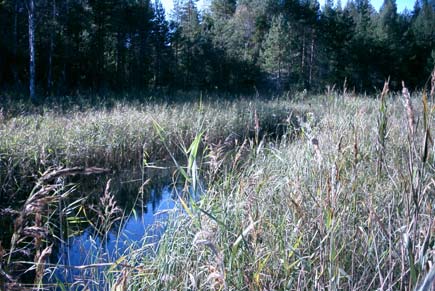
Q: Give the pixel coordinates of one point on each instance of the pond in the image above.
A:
(80, 250)
(144, 225)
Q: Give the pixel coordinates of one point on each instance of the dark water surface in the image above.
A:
(80, 254)
(144, 225)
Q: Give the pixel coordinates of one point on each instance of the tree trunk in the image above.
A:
(303, 54)
(280, 56)
(66, 47)
(120, 41)
(100, 49)
(15, 45)
(31, 14)
(51, 51)
(310, 78)
(157, 65)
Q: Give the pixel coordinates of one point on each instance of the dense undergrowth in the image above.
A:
(348, 205)
(42, 148)
(124, 135)
(344, 201)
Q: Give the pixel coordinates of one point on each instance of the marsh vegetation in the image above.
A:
(325, 192)
(241, 145)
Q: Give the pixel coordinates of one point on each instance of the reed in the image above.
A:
(280, 220)
(343, 202)
(123, 136)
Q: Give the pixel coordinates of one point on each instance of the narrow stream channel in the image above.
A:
(143, 226)
(80, 251)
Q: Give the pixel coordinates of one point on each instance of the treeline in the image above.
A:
(279, 44)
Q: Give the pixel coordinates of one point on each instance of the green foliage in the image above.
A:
(276, 53)
(223, 8)
(234, 45)
(118, 137)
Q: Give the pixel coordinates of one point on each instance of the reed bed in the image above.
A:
(346, 206)
(40, 150)
(343, 201)
(123, 136)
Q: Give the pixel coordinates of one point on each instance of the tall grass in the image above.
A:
(123, 136)
(344, 203)
(311, 215)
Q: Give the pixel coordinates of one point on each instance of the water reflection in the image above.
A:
(138, 228)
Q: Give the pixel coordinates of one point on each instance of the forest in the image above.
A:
(58, 47)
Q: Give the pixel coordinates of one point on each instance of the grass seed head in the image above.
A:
(409, 109)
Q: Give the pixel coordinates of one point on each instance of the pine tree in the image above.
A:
(388, 19)
(276, 52)
(30, 4)
(363, 47)
(424, 34)
(160, 42)
(336, 30)
(387, 41)
(223, 9)
(186, 37)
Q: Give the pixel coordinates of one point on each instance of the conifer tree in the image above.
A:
(276, 52)
(160, 42)
(223, 9)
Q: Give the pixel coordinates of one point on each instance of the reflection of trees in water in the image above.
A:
(130, 194)
(129, 190)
